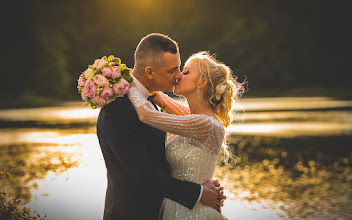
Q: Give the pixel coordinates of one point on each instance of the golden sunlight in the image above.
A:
(292, 129)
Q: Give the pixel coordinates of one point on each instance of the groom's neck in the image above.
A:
(143, 80)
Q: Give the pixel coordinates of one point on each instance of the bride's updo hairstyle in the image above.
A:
(222, 88)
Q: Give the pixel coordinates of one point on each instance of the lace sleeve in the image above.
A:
(170, 104)
(195, 126)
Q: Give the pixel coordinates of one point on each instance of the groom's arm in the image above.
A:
(122, 131)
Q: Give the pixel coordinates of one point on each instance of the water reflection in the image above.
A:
(80, 191)
(59, 174)
(307, 178)
(294, 160)
(31, 162)
(294, 103)
(293, 129)
(71, 112)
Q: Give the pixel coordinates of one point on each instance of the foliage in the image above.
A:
(277, 44)
(9, 208)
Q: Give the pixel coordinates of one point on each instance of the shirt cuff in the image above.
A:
(200, 194)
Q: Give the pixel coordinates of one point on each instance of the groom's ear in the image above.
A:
(148, 71)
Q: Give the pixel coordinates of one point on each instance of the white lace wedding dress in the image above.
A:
(192, 152)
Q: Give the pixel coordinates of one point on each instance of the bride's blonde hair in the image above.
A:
(222, 88)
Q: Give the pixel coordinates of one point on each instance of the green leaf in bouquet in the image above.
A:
(97, 71)
(117, 61)
(129, 79)
(122, 66)
(126, 71)
(91, 67)
(111, 58)
(127, 76)
(83, 77)
(104, 58)
(129, 70)
(92, 105)
(99, 90)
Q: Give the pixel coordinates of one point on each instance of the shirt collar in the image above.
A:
(140, 87)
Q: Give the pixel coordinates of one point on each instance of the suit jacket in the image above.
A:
(137, 170)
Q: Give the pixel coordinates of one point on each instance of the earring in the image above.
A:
(198, 93)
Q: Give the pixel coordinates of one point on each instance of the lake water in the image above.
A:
(294, 160)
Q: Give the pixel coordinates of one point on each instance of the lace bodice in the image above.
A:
(193, 150)
(193, 160)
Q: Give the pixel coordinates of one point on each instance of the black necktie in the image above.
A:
(150, 99)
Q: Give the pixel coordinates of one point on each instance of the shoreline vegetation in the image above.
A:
(31, 100)
(10, 208)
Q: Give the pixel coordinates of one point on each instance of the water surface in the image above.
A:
(294, 160)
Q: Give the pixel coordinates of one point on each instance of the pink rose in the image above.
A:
(116, 72)
(121, 88)
(101, 81)
(81, 81)
(88, 73)
(107, 72)
(84, 96)
(99, 63)
(99, 101)
(106, 93)
(90, 89)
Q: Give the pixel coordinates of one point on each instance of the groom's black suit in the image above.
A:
(137, 170)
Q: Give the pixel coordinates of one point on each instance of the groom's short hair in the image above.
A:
(151, 48)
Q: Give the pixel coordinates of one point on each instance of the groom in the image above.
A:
(134, 152)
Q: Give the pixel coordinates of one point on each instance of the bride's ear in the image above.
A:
(203, 83)
(148, 71)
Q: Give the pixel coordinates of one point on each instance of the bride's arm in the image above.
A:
(196, 126)
(171, 106)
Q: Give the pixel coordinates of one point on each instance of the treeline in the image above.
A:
(278, 44)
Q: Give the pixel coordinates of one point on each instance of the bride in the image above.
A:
(198, 131)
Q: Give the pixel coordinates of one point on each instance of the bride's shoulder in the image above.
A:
(213, 119)
(216, 121)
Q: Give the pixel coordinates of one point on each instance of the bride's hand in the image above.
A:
(212, 194)
(221, 193)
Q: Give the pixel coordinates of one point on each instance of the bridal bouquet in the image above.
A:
(104, 81)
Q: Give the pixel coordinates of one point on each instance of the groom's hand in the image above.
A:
(212, 194)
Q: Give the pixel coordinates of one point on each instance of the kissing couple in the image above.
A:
(154, 177)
